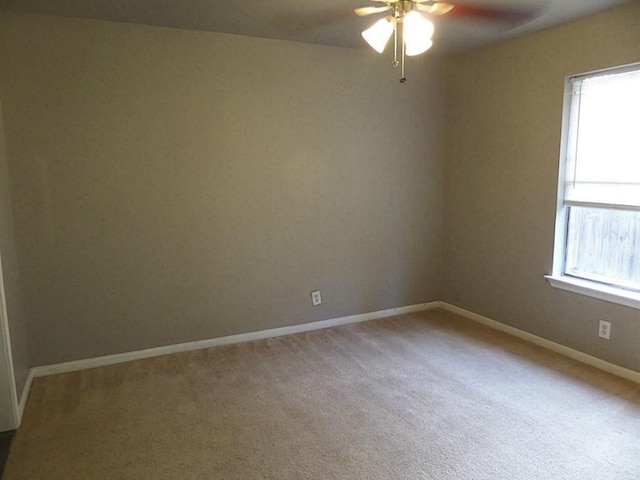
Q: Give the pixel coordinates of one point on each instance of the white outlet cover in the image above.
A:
(315, 298)
(604, 329)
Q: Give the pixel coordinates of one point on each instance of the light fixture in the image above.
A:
(417, 33)
(378, 34)
(414, 31)
(411, 30)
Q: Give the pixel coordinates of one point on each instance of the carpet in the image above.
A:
(427, 395)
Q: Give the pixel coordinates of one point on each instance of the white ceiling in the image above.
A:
(325, 22)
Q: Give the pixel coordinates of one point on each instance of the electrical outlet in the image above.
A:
(604, 329)
(315, 298)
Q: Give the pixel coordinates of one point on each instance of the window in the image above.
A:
(597, 245)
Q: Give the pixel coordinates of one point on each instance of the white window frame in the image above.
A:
(557, 278)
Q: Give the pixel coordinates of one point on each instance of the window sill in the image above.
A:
(596, 290)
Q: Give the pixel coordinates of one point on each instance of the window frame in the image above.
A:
(557, 278)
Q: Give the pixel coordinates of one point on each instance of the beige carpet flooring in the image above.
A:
(421, 396)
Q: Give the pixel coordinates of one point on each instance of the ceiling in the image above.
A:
(324, 22)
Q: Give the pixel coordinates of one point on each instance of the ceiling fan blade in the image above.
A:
(364, 11)
(437, 8)
(509, 15)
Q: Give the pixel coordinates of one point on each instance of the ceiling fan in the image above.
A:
(413, 30)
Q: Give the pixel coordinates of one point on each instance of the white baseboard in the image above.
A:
(307, 327)
(214, 342)
(25, 395)
(548, 344)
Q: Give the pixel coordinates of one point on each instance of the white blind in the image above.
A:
(603, 164)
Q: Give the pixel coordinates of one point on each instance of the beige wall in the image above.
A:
(172, 185)
(11, 275)
(503, 138)
(176, 185)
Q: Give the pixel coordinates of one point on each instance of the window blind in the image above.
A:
(603, 164)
